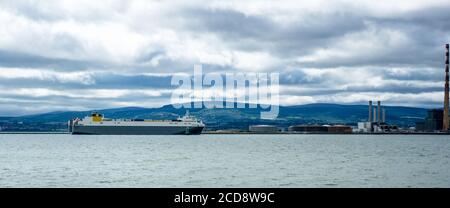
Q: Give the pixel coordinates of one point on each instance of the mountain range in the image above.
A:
(224, 118)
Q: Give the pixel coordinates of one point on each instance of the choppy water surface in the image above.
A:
(225, 161)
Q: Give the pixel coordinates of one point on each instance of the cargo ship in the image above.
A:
(96, 124)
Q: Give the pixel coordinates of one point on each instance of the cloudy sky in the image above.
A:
(84, 54)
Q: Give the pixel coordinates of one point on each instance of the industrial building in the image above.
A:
(263, 129)
(340, 129)
(337, 129)
(308, 129)
(432, 123)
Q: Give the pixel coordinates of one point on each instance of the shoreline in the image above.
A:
(278, 133)
(312, 133)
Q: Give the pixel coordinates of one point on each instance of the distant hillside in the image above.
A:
(225, 118)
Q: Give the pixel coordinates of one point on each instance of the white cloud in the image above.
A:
(255, 61)
(402, 99)
(47, 75)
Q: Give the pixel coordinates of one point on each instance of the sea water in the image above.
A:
(40, 160)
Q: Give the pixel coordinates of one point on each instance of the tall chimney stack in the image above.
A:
(370, 111)
(445, 124)
(375, 114)
(379, 112)
(384, 116)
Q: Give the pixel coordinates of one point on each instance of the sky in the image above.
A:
(59, 55)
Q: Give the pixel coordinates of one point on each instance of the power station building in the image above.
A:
(376, 122)
(432, 123)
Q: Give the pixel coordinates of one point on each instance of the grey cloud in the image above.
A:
(319, 91)
(103, 80)
(52, 12)
(256, 33)
(427, 31)
(426, 28)
(435, 18)
(23, 60)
